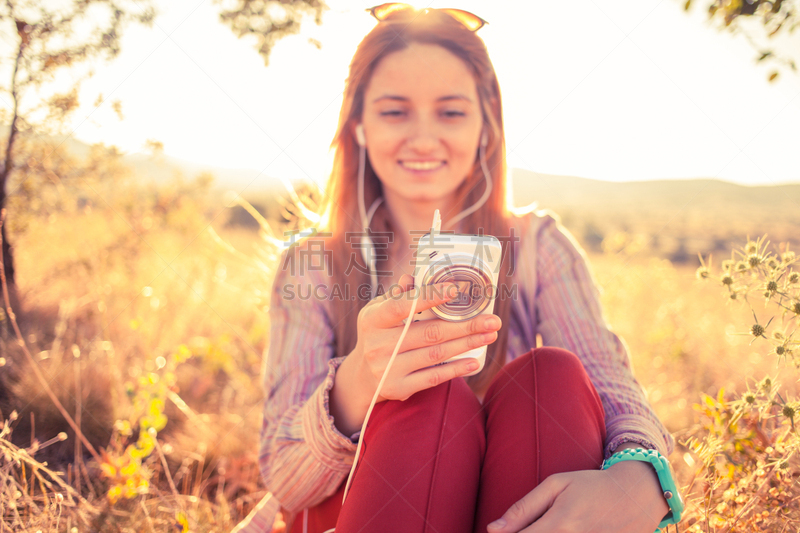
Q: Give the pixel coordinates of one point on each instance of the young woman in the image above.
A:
(517, 447)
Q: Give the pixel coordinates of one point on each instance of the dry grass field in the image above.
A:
(141, 318)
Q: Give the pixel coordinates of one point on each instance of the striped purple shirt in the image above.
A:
(304, 458)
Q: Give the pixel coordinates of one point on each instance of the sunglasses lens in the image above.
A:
(466, 18)
(396, 10)
(385, 11)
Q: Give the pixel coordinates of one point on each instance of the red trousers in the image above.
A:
(442, 462)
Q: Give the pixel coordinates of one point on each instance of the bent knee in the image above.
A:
(547, 365)
(453, 394)
(552, 359)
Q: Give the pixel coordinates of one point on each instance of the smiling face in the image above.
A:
(422, 123)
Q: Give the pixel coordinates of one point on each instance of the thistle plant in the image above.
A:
(129, 466)
(747, 444)
(27, 484)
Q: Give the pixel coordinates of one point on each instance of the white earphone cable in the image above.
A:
(435, 228)
(378, 390)
(474, 207)
(366, 218)
(361, 164)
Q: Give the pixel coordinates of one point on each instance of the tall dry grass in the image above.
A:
(147, 316)
(149, 333)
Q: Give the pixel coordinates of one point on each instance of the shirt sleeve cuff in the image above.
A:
(327, 444)
(261, 518)
(631, 428)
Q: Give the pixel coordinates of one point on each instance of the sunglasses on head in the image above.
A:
(400, 11)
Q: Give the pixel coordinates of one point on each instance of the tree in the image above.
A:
(54, 37)
(776, 16)
(269, 20)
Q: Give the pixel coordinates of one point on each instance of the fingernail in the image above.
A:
(450, 290)
(491, 322)
(497, 524)
(472, 365)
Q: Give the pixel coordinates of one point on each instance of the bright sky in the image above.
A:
(605, 89)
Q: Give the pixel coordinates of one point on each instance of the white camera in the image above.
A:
(469, 261)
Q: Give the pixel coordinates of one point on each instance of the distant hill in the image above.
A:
(676, 217)
(161, 169)
(546, 189)
(645, 197)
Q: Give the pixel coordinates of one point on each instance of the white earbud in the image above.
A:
(485, 138)
(360, 135)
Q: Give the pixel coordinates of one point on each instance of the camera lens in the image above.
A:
(475, 289)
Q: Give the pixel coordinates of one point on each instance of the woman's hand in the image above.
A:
(426, 343)
(278, 526)
(625, 498)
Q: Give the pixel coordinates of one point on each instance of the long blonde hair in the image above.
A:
(340, 201)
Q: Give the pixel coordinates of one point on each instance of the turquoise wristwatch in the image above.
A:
(664, 472)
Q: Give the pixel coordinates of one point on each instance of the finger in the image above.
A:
(426, 356)
(426, 333)
(405, 283)
(548, 522)
(393, 291)
(392, 311)
(530, 507)
(430, 377)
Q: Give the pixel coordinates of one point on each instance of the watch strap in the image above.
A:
(664, 472)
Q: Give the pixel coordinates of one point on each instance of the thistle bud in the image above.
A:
(793, 278)
(757, 330)
(702, 273)
(754, 260)
(727, 279)
(751, 247)
(788, 411)
(772, 285)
